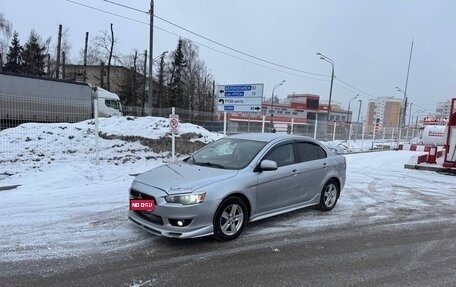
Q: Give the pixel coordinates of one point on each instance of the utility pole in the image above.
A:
(144, 100)
(330, 61)
(85, 56)
(63, 64)
(151, 47)
(59, 45)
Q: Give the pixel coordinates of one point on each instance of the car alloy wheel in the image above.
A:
(329, 196)
(230, 219)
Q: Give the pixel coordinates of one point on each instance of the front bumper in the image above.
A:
(162, 221)
(171, 231)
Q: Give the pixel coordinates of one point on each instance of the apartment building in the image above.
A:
(383, 112)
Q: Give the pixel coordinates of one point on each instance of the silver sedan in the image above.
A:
(236, 180)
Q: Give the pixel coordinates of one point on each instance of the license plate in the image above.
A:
(142, 204)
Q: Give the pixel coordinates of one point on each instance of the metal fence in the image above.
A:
(70, 133)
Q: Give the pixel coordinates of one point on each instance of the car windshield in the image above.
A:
(227, 153)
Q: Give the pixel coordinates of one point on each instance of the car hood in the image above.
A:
(181, 177)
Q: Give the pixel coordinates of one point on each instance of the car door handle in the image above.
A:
(294, 171)
(325, 165)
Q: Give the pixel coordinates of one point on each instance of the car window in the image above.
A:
(309, 151)
(228, 153)
(282, 155)
(112, 104)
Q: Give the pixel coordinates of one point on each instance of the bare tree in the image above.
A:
(5, 26)
(162, 89)
(102, 49)
(110, 58)
(52, 49)
(197, 79)
(132, 85)
(5, 29)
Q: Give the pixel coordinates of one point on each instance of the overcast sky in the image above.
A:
(369, 41)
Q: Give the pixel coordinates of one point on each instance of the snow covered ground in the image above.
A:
(75, 208)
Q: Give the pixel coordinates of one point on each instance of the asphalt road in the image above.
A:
(408, 252)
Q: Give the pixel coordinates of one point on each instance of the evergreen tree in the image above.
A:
(34, 56)
(176, 98)
(14, 57)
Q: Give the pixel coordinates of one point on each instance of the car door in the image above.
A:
(312, 169)
(278, 188)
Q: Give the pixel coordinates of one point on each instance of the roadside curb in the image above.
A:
(430, 168)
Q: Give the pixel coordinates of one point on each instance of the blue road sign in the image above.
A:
(234, 94)
(238, 88)
(240, 98)
(228, 108)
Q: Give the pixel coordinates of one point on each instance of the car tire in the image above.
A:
(230, 219)
(329, 196)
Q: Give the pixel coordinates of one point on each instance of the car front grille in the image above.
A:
(147, 215)
(134, 194)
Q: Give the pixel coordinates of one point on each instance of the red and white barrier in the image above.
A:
(414, 147)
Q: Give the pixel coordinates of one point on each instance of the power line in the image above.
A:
(218, 43)
(107, 12)
(353, 87)
(368, 95)
(128, 7)
(200, 44)
(359, 91)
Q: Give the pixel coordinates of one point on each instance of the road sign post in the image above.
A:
(173, 129)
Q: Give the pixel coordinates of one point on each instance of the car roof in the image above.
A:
(268, 137)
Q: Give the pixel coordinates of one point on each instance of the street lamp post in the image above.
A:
(418, 114)
(410, 114)
(359, 109)
(159, 56)
(402, 113)
(272, 104)
(348, 111)
(329, 60)
(349, 120)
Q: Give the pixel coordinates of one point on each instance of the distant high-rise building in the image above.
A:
(443, 110)
(383, 112)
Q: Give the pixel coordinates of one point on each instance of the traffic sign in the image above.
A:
(173, 123)
(232, 108)
(239, 101)
(252, 90)
(240, 98)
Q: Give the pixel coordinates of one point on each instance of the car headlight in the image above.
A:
(186, 199)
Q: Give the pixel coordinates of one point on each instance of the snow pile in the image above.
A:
(122, 139)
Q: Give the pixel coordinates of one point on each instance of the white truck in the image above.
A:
(36, 99)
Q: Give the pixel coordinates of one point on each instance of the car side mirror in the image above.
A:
(267, 164)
